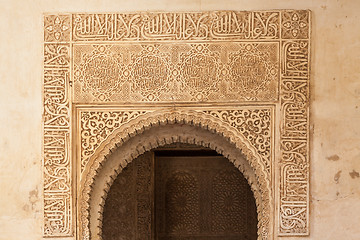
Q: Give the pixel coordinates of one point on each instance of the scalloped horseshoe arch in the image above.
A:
(156, 129)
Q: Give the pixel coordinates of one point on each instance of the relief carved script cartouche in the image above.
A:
(249, 58)
(180, 72)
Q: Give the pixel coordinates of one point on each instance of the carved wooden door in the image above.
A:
(128, 208)
(198, 198)
(180, 198)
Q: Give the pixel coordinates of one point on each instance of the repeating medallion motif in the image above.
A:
(182, 200)
(193, 72)
(229, 207)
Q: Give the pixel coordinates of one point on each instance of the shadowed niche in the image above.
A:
(180, 191)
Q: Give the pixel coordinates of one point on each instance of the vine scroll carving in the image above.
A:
(239, 67)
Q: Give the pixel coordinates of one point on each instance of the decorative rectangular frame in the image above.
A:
(63, 33)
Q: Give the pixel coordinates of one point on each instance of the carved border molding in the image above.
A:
(294, 139)
(287, 29)
(58, 213)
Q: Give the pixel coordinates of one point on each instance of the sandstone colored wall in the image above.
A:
(335, 107)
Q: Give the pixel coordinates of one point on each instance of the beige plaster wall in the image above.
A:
(335, 113)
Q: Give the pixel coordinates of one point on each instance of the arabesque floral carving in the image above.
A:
(246, 69)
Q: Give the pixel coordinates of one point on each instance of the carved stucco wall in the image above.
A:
(335, 94)
(225, 57)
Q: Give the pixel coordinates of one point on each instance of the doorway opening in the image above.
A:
(180, 191)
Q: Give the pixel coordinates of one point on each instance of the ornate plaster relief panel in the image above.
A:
(245, 71)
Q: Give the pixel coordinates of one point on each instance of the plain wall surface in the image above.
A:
(335, 107)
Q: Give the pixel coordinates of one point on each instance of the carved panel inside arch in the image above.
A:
(128, 207)
(200, 197)
(186, 195)
(233, 206)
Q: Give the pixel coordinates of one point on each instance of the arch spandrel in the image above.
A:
(239, 121)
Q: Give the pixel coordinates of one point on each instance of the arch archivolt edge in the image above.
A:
(260, 182)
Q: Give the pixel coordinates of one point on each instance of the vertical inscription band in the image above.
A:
(294, 138)
(56, 116)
